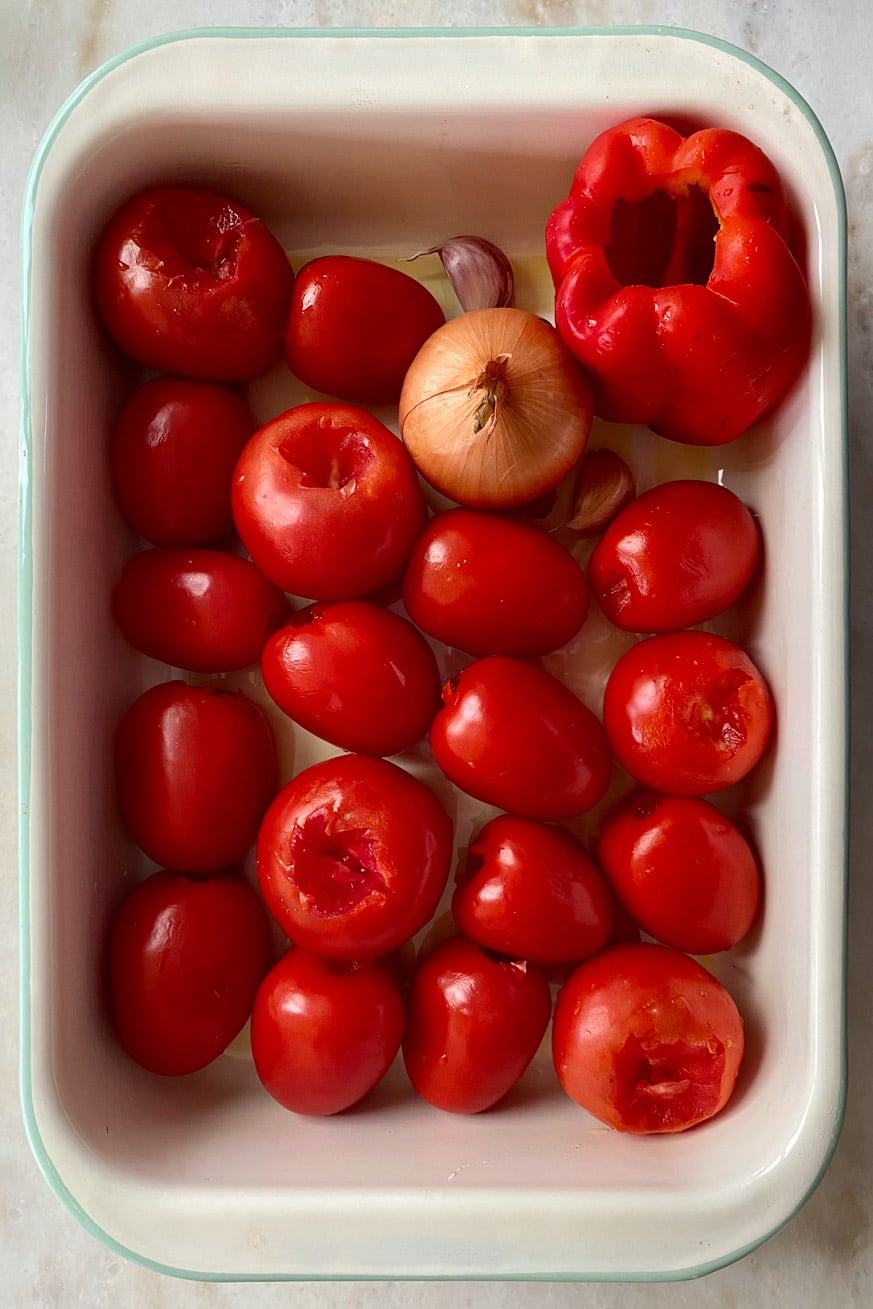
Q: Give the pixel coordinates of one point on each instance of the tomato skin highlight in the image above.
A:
(327, 502)
(355, 326)
(195, 770)
(687, 713)
(646, 1040)
(679, 554)
(202, 610)
(530, 891)
(353, 856)
(190, 282)
(682, 869)
(186, 958)
(513, 736)
(473, 1026)
(354, 674)
(489, 584)
(325, 1032)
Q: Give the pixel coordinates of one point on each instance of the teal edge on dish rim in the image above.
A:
(25, 613)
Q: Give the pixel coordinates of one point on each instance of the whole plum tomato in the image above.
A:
(174, 448)
(646, 1039)
(202, 610)
(473, 1025)
(682, 869)
(490, 584)
(355, 674)
(195, 771)
(190, 282)
(325, 1031)
(687, 712)
(529, 891)
(355, 326)
(327, 502)
(677, 555)
(512, 735)
(353, 856)
(186, 956)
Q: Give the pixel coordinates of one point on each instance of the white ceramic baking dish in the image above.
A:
(385, 143)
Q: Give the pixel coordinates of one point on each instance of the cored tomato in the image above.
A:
(677, 555)
(186, 958)
(353, 856)
(202, 610)
(327, 502)
(682, 869)
(687, 712)
(174, 448)
(512, 735)
(490, 584)
(646, 1039)
(473, 1025)
(195, 770)
(190, 282)
(355, 674)
(325, 1031)
(355, 326)
(530, 891)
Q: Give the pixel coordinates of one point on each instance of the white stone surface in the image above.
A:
(825, 1256)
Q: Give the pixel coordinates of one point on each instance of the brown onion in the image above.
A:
(494, 409)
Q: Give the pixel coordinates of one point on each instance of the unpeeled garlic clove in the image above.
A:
(604, 486)
(480, 273)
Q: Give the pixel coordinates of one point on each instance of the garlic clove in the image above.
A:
(479, 272)
(604, 486)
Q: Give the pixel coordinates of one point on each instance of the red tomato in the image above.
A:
(531, 892)
(325, 1031)
(190, 282)
(355, 675)
(174, 448)
(687, 712)
(676, 556)
(646, 1039)
(682, 869)
(195, 771)
(353, 856)
(186, 957)
(355, 326)
(513, 736)
(489, 584)
(327, 502)
(203, 610)
(473, 1025)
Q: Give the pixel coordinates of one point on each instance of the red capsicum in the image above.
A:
(675, 284)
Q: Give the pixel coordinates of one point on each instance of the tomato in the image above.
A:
(353, 856)
(677, 555)
(325, 1031)
(512, 735)
(473, 1025)
(355, 674)
(687, 712)
(174, 448)
(195, 771)
(682, 869)
(186, 957)
(202, 610)
(355, 326)
(327, 502)
(489, 584)
(530, 891)
(190, 282)
(646, 1039)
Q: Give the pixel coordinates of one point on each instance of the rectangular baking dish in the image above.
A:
(385, 143)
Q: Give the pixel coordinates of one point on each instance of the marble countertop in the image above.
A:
(825, 1255)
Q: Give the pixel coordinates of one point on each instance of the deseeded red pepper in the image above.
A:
(675, 284)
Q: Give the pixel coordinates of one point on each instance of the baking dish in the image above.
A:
(385, 143)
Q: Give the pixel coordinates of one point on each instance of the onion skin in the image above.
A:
(494, 409)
